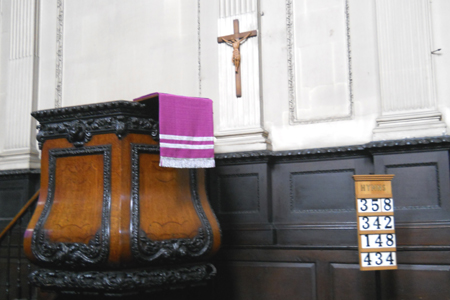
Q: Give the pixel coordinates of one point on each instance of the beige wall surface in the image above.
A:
(319, 74)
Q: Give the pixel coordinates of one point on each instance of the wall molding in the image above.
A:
(5, 174)
(408, 144)
(293, 118)
(59, 53)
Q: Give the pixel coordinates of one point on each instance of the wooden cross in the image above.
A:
(235, 40)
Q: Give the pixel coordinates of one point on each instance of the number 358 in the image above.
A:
(375, 205)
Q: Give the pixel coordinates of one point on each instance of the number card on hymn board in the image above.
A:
(375, 218)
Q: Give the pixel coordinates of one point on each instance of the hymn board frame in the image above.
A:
(375, 187)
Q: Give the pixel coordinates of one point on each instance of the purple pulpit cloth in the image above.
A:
(186, 131)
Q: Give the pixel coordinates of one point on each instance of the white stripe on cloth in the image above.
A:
(186, 138)
(172, 162)
(185, 146)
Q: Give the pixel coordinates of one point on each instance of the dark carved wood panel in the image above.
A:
(248, 234)
(313, 202)
(239, 195)
(14, 277)
(329, 236)
(421, 182)
(16, 187)
(416, 185)
(289, 227)
(348, 282)
(337, 274)
(421, 195)
(243, 201)
(12, 203)
(312, 219)
(315, 191)
(425, 282)
(243, 280)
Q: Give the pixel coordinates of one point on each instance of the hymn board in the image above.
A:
(375, 219)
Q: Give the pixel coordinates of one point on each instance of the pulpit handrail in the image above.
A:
(19, 214)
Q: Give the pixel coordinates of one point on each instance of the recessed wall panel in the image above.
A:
(322, 191)
(321, 70)
(247, 280)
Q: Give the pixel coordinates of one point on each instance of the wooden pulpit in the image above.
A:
(109, 219)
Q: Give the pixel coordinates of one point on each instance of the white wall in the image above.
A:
(327, 108)
(325, 75)
(115, 49)
(284, 75)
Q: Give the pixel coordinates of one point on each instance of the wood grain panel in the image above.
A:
(348, 282)
(240, 197)
(425, 282)
(11, 203)
(316, 191)
(239, 201)
(173, 218)
(239, 194)
(78, 182)
(266, 280)
(420, 186)
(319, 192)
(210, 215)
(16, 188)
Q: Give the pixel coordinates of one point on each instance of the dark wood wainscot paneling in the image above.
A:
(421, 195)
(427, 282)
(16, 187)
(314, 201)
(239, 196)
(289, 222)
(348, 282)
(278, 280)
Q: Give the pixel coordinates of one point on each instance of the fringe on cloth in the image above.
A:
(191, 163)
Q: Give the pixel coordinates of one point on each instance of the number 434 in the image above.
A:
(378, 259)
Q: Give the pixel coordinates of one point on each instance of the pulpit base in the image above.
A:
(119, 283)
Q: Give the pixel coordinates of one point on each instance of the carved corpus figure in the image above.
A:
(236, 43)
(235, 40)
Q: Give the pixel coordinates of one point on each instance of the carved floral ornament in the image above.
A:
(147, 250)
(74, 255)
(95, 252)
(88, 120)
(117, 282)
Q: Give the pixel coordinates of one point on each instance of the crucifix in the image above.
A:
(235, 40)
